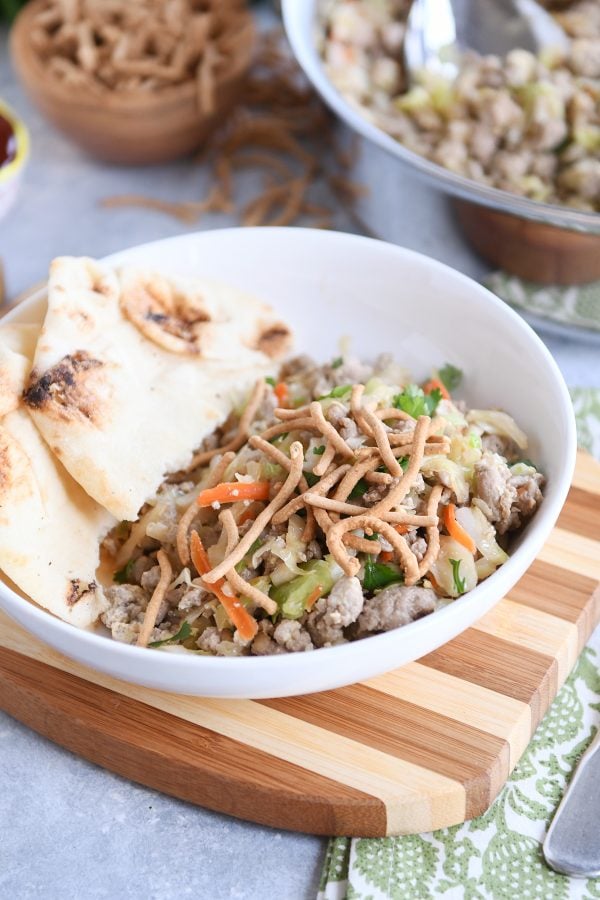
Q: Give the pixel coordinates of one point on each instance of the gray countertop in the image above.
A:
(71, 829)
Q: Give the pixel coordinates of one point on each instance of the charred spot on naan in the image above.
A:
(273, 340)
(78, 589)
(72, 389)
(176, 321)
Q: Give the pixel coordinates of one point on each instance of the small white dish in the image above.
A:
(384, 298)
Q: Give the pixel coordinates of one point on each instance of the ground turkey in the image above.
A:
(332, 614)
(506, 499)
(395, 606)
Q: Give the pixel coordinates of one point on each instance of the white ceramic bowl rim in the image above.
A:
(299, 19)
(537, 530)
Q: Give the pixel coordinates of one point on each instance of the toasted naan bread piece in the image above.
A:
(50, 529)
(133, 370)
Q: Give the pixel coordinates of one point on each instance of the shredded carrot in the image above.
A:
(237, 612)
(386, 555)
(312, 599)
(250, 513)
(282, 393)
(402, 529)
(456, 530)
(232, 491)
(434, 383)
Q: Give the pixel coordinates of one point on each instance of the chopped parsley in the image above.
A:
(404, 461)
(377, 576)
(319, 451)
(279, 437)
(414, 401)
(459, 583)
(123, 576)
(270, 381)
(337, 362)
(372, 537)
(182, 635)
(450, 377)
(311, 478)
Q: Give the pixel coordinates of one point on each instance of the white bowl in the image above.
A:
(384, 298)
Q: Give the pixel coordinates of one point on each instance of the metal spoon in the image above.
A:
(572, 844)
(438, 32)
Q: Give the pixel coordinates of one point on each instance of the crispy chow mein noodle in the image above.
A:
(339, 501)
(156, 599)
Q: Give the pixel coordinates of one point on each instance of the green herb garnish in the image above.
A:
(279, 437)
(337, 362)
(450, 376)
(372, 537)
(404, 461)
(377, 576)
(337, 392)
(247, 560)
(270, 381)
(311, 478)
(414, 401)
(182, 635)
(319, 451)
(360, 488)
(459, 583)
(123, 576)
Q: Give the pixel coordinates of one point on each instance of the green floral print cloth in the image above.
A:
(498, 855)
(574, 305)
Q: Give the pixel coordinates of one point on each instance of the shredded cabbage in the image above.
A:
(449, 473)
(492, 421)
(451, 413)
(483, 533)
(522, 468)
(292, 597)
(463, 452)
(381, 393)
(442, 568)
(291, 550)
(184, 577)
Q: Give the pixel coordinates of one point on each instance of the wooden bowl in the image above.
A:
(531, 250)
(130, 128)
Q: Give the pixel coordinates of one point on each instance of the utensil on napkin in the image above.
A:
(572, 845)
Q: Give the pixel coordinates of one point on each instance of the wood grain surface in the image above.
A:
(426, 746)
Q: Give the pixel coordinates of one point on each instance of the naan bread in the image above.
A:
(132, 371)
(50, 530)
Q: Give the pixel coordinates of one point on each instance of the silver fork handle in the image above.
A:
(572, 845)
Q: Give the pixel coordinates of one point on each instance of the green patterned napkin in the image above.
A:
(499, 855)
(577, 305)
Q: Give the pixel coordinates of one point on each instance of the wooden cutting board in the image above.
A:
(426, 746)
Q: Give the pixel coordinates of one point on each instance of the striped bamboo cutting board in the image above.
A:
(420, 748)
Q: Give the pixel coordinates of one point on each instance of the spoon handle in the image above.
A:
(572, 844)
